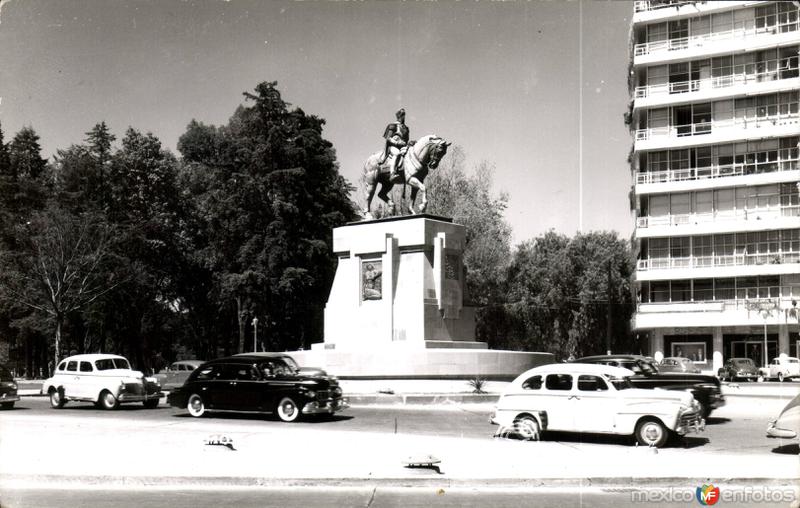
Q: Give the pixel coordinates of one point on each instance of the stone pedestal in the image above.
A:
(396, 306)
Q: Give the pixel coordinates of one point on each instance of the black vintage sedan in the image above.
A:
(705, 389)
(258, 383)
(8, 388)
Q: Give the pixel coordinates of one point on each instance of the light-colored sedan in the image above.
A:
(578, 397)
(677, 364)
(177, 373)
(787, 425)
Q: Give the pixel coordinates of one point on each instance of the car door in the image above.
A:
(558, 401)
(71, 379)
(245, 390)
(595, 406)
(86, 384)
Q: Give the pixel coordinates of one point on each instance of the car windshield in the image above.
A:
(646, 367)
(112, 363)
(5, 374)
(792, 360)
(744, 362)
(620, 383)
(291, 363)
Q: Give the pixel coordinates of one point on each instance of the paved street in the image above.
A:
(736, 428)
(139, 457)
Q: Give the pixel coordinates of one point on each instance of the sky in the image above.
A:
(536, 89)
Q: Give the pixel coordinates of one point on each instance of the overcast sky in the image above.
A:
(501, 79)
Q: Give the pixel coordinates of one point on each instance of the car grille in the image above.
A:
(334, 393)
(134, 388)
(689, 419)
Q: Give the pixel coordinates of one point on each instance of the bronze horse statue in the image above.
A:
(424, 155)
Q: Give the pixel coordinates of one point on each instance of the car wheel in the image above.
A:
(287, 410)
(8, 405)
(527, 428)
(781, 377)
(108, 401)
(195, 405)
(151, 404)
(651, 432)
(56, 398)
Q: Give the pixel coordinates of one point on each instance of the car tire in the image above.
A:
(287, 410)
(56, 398)
(781, 377)
(151, 404)
(8, 405)
(195, 405)
(108, 401)
(527, 428)
(651, 432)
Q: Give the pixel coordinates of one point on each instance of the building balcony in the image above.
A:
(733, 265)
(783, 76)
(754, 311)
(716, 43)
(726, 175)
(660, 10)
(722, 221)
(716, 131)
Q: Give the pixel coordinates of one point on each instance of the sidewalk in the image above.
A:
(65, 451)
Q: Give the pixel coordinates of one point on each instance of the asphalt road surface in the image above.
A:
(739, 427)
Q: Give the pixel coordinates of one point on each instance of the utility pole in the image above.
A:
(608, 308)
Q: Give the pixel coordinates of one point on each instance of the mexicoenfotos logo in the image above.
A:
(707, 495)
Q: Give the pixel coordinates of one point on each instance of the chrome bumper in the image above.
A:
(325, 407)
(777, 432)
(9, 397)
(133, 397)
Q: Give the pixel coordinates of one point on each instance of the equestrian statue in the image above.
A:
(403, 161)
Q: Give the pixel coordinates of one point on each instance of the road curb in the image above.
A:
(434, 480)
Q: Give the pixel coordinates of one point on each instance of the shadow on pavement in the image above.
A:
(262, 416)
(715, 420)
(788, 449)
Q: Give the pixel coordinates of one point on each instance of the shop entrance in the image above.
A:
(754, 349)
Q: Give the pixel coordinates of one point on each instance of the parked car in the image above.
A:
(104, 379)
(177, 373)
(8, 388)
(677, 364)
(578, 397)
(783, 368)
(787, 425)
(738, 368)
(705, 389)
(258, 383)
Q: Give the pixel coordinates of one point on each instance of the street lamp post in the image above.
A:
(255, 334)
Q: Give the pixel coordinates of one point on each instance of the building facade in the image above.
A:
(715, 123)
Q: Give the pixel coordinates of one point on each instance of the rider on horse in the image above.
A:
(396, 136)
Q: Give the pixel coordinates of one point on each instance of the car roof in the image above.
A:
(248, 357)
(188, 362)
(579, 368)
(92, 357)
(611, 357)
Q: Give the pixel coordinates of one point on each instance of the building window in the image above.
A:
(695, 351)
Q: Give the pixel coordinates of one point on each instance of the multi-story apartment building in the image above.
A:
(715, 121)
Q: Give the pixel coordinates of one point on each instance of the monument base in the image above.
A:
(414, 363)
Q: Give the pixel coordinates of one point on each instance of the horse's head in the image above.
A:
(436, 151)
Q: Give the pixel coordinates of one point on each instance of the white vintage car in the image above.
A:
(579, 397)
(783, 368)
(106, 380)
